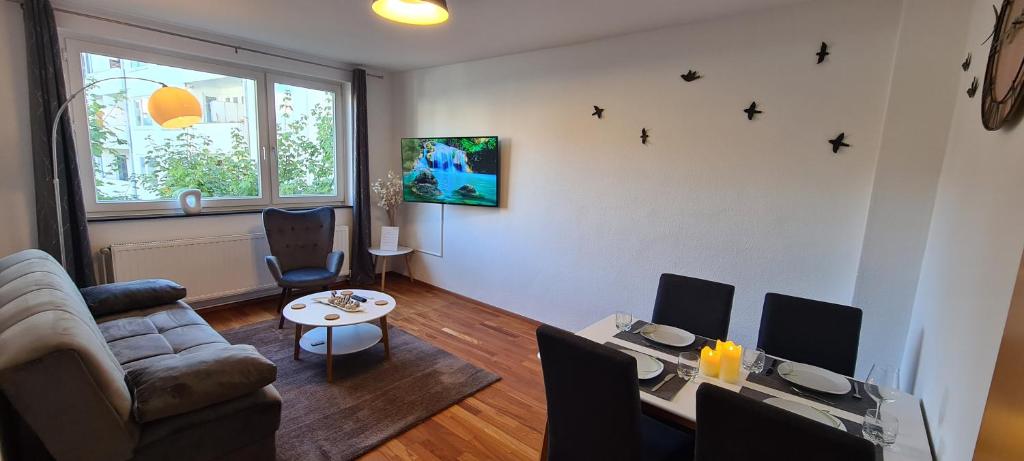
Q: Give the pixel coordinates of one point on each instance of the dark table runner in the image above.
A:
(670, 389)
(639, 340)
(843, 402)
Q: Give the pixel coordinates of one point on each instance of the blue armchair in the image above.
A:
(300, 248)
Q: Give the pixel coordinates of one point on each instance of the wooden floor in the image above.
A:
(503, 421)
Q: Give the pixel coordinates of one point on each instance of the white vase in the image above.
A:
(191, 201)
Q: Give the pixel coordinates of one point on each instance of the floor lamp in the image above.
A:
(169, 107)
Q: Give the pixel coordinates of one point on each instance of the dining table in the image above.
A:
(676, 402)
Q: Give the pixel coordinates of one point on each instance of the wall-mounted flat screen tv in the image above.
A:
(457, 171)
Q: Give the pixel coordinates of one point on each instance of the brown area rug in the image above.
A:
(371, 399)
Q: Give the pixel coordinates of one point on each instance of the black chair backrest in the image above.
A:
(817, 333)
(593, 398)
(701, 307)
(733, 427)
(300, 239)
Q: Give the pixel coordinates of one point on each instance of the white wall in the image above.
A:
(590, 217)
(17, 188)
(922, 93)
(970, 265)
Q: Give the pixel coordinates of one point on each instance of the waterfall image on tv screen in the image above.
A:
(459, 171)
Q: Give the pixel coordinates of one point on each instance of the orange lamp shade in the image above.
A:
(416, 12)
(172, 107)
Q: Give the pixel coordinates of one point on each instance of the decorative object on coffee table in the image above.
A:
(191, 201)
(339, 330)
(382, 253)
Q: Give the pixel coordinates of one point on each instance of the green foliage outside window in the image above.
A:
(306, 166)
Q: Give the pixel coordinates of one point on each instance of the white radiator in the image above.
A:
(209, 267)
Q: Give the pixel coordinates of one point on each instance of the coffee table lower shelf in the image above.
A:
(346, 339)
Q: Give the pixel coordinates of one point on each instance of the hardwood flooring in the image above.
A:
(502, 422)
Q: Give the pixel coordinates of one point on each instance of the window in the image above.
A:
(264, 139)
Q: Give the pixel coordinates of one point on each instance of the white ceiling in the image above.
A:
(348, 31)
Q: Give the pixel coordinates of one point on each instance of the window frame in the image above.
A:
(265, 138)
(340, 137)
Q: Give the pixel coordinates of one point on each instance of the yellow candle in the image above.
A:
(731, 358)
(709, 362)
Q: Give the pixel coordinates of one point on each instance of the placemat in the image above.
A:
(843, 402)
(639, 340)
(851, 426)
(667, 391)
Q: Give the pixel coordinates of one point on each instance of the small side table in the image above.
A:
(384, 254)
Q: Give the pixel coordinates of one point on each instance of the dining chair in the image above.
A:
(731, 426)
(593, 400)
(301, 256)
(817, 333)
(701, 307)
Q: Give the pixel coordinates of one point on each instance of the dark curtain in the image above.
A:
(46, 95)
(362, 262)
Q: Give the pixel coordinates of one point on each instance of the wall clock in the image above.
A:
(1002, 92)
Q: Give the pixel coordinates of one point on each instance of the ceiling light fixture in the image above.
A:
(416, 12)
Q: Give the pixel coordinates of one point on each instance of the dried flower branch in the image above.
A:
(389, 194)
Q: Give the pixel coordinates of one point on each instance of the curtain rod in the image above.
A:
(211, 42)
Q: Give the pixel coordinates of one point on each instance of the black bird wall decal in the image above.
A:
(691, 76)
(752, 111)
(598, 112)
(644, 136)
(838, 143)
(973, 89)
(822, 53)
(967, 63)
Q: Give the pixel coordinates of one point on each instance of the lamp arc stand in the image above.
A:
(53, 152)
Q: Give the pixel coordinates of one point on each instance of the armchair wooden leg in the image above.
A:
(280, 308)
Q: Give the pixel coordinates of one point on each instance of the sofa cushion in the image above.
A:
(157, 334)
(177, 363)
(137, 294)
(190, 382)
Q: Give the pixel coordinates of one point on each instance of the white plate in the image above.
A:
(806, 411)
(812, 377)
(647, 367)
(669, 336)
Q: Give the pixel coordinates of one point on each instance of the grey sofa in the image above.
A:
(123, 372)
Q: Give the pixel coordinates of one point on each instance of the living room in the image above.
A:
(426, 229)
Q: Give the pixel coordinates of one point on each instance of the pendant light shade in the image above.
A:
(417, 12)
(172, 107)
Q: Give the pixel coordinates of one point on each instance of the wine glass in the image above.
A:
(623, 320)
(880, 427)
(753, 359)
(684, 369)
(882, 384)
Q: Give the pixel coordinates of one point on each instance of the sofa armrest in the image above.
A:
(196, 380)
(334, 261)
(113, 298)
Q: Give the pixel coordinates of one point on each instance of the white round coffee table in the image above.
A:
(351, 332)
